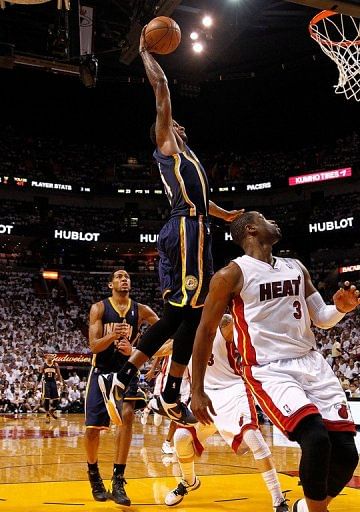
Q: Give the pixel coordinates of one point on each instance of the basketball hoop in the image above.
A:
(36, 2)
(339, 38)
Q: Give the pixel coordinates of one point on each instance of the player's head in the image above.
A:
(179, 132)
(253, 225)
(119, 281)
(50, 358)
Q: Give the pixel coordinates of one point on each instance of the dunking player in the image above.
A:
(273, 302)
(50, 392)
(114, 327)
(184, 245)
(236, 421)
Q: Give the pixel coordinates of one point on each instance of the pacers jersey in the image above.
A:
(271, 319)
(185, 183)
(49, 372)
(111, 359)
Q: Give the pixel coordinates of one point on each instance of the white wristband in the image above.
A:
(321, 314)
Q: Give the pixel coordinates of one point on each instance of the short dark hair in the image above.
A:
(152, 133)
(238, 227)
(111, 276)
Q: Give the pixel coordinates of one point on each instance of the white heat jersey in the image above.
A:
(223, 368)
(271, 318)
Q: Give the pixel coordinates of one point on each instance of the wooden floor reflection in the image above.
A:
(42, 467)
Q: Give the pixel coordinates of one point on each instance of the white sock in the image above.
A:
(272, 483)
(188, 471)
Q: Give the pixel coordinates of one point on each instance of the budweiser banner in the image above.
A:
(73, 359)
(86, 29)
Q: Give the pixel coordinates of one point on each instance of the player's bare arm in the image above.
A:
(165, 136)
(58, 373)
(166, 349)
(223, 286)
(228, 216)
(97, 341)
(147, 315)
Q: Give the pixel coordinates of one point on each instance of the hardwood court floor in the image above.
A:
(42, 468)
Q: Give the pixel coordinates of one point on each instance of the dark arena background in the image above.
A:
(81, 196)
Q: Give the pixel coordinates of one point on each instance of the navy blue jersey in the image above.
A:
(111, 359)
(185, 181)
(49, 372)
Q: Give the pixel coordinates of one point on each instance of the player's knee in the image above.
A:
(182, 349)
(183, 442)
(343, 451)
(256, 443)
(92, 434)
(312, 436)
(127, 414)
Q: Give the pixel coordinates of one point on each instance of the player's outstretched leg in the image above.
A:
(176, 411)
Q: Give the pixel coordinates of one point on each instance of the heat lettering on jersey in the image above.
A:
(276, 289)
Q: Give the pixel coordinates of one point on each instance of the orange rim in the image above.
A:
(323, 15)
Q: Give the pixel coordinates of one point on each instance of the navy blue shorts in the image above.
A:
(96, 414)
(186, 264)
(50, 391)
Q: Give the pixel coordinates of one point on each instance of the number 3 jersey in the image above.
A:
(271, 319)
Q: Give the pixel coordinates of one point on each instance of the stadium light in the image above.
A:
(198, 47)
(207, 21)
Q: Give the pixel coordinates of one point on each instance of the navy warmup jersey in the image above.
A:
(49, 372)
(111, 359)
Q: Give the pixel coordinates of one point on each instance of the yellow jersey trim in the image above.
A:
(200, 261)
(115, 307)
(182, 184)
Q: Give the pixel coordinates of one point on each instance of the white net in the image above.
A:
(339, 38)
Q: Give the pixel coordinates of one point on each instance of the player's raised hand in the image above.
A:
(200, 407)
(233, 214)
(347, 298)
(142, 44)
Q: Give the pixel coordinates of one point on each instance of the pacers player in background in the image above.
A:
(50, 392)
(184, 245)
(273, 302)
(114, 328)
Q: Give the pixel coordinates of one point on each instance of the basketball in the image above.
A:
(162, 35)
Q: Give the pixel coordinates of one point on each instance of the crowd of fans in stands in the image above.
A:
(36, 319)
(46, 159)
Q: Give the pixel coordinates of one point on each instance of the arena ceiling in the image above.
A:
(247, 36)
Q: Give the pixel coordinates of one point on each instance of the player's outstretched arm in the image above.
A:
(228, 216)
